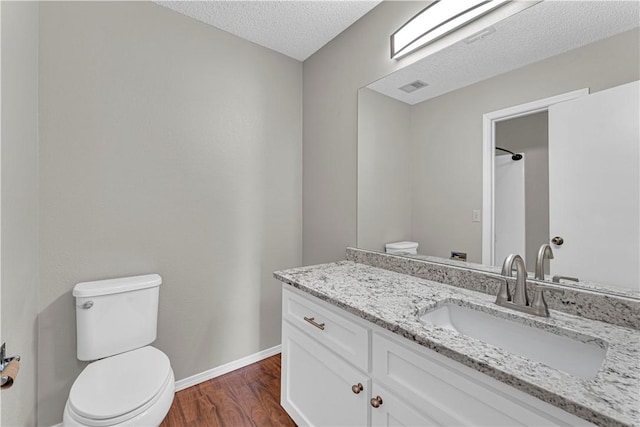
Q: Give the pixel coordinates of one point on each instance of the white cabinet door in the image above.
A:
(395, 412)
(593, 186)
(317, 384)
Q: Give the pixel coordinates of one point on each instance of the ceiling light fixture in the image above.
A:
(437, 20)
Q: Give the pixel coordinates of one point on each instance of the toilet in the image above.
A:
(401, 248)
(130, 382)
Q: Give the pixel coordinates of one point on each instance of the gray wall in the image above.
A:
(449, 175)
(384, 179)
(332, 77)
(530, 135)
(20, 204)
(166, 146)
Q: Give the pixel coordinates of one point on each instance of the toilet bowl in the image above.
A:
(128, 382)
(135, 388)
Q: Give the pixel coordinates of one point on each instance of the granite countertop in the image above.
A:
(395, 302)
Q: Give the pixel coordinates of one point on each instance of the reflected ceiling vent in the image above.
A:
(480, 35)
(411, 87)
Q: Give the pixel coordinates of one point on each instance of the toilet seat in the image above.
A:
(116, 389)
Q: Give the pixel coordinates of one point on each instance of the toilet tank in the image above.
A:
(116, 315)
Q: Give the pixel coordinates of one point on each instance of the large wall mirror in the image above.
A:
(556, 86)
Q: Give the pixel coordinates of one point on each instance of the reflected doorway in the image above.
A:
(522, 187)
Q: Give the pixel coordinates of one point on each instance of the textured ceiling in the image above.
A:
(541, 31)
(294, 28)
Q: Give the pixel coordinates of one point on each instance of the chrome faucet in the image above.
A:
(520, 300)
(544, 252)
(520, 294)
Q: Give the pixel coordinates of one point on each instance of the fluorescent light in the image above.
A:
(437, 20)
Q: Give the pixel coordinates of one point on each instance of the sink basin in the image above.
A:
(579, 358)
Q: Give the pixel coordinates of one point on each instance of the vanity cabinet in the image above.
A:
(403, 383)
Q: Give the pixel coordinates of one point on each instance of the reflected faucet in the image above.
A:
(520, 299)
(544, 252)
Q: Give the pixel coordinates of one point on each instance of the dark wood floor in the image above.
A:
(249, 396)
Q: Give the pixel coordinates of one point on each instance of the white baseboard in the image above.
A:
(226, 368)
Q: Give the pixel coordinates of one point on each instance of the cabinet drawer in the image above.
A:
(336, 332)
(453, 394)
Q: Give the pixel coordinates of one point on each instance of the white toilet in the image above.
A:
(132, 383)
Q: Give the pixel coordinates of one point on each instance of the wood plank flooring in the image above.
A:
(249, 396)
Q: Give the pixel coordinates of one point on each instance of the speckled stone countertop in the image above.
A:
(395, 302)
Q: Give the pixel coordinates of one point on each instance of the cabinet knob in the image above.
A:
(376, 402)
(558, 241)
(357, 388)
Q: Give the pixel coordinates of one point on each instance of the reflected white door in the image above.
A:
(594, 191)
(509, 209)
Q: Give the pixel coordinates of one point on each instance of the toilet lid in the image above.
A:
(111, 387)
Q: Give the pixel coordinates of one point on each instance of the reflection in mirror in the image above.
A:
(420, 155)
(521, 188)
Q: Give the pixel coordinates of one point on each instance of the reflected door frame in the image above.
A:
(489, 121)
(0, 187)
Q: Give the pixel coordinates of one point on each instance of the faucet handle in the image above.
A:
(557, 278)
(539, 305)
